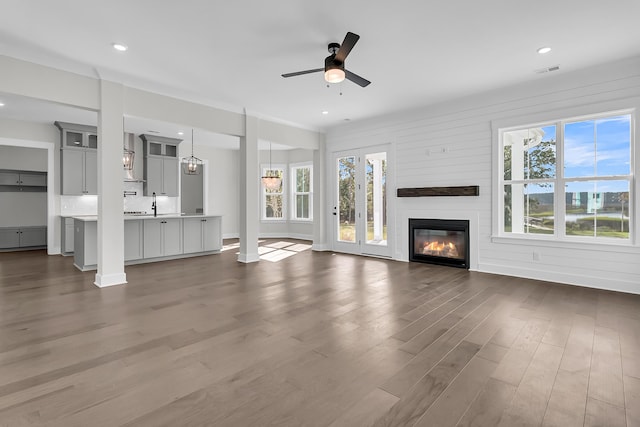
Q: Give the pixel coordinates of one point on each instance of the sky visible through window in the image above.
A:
(598, 148)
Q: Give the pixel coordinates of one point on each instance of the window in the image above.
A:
(588, 197)
(273, 202)
(301, 192)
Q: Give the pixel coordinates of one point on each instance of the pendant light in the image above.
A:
(127, 151)
(271, 180)
(191, 165)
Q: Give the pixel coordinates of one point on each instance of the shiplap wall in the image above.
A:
(453, 144)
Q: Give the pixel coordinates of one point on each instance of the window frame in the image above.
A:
(293, 167)
(559, 181)
(264, 167)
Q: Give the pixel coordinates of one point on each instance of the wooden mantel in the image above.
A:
(469, 190)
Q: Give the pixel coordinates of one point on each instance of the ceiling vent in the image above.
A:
(548, 69)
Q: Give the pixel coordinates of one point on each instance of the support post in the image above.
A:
(249, 192)
(110, 186)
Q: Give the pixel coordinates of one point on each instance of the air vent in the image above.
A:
(548, 69)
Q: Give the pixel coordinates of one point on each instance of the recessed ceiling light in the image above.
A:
(180, 133)
(543, 50)
(325, 112)
(120, 47)
(1, 104)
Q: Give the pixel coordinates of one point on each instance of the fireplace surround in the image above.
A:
(439, 241)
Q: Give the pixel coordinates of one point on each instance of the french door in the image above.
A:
(360, 202)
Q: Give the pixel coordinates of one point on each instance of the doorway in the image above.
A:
(360, 202)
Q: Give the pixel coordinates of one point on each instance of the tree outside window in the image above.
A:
(301, 196)
(273, 200)
(589, 196)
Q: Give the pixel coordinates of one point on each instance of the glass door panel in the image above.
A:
(376, 218)
(360, 202)
(346, 200)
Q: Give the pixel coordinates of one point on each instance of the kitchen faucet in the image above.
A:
(154, 205)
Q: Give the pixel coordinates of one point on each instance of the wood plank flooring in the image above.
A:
(315, 339)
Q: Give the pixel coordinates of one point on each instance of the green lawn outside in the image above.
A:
(348, 232)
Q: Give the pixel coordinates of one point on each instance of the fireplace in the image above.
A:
(439, 241)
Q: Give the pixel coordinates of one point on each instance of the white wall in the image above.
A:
(23, 158)
(463, 128)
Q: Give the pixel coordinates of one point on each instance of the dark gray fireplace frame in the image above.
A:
(439, 224)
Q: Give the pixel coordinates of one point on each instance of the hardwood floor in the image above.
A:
(315, 339)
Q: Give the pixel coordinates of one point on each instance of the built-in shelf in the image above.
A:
(469, 190)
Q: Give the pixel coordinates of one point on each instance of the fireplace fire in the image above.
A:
(439, 241)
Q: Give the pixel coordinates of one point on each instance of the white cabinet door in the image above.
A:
(172, 236)
(152, 238)
(132, 240)
(212, 234)
(192, 235)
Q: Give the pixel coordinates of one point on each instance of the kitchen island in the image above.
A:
(150, 239)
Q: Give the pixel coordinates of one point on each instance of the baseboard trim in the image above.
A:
(248, 258)
(562, 278)
(285, 236)
(106, 280)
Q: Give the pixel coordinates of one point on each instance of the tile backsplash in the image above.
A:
(88, 205)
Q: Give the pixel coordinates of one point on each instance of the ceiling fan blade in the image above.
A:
(349, 41)
(299, 73)
(356, 78)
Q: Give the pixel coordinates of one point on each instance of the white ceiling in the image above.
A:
(231, 54)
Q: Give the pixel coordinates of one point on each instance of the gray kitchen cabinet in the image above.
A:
(79, 172)
(66, 241)
(78, 158)
(162, 237)
(161, 165)
(91, 172)
(9, 178)
(23, 181)
(33, 236)
(133, 235)
(31, 179)
(153, 238)
(85, 244)
(9, 238)
(172, 236)
(201, 234)
(23, 237)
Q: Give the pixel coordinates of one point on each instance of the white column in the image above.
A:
(319, 198)
(249, 192)
(110, 186)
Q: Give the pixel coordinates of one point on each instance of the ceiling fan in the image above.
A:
(334, 71)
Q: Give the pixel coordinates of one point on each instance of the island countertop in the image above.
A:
(89, 218)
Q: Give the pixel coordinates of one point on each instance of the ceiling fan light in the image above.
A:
(334, 75)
